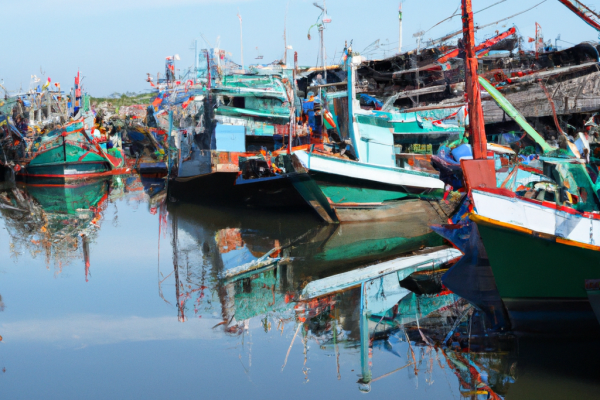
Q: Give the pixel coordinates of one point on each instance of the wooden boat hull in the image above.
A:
(348, 191)
(540, 279)
(68, 161)
(430, 211)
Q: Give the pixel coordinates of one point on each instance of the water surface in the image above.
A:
(109, 291)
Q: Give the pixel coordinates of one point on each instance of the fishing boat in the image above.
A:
(233, 134)
(67, 153)
(533, 236)
(361, 180)
(48, 150)
(147, 147)
(544, 238)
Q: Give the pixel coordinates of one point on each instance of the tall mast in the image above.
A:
(208, 83)
(476, 123)
(323, 43)
(195, 60)
(400, 28)
(285, 48)
(241, 39)
(292, 129)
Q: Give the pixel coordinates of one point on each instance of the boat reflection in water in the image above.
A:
(290, 272)
(309, 276)
(345, 293)
(232, 252)
(60, 221)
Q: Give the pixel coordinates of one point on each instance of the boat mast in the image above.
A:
(241, 39)
(323, 55)
(285, 49)
(476, 123)
(195, 60)
(293, 123)
(480, 171)
(400, 28)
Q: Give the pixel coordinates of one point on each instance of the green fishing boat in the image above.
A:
(67, 153)
(362, 181)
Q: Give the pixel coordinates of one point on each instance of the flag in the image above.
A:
(400, 12)
(187, 102)
(46, 85)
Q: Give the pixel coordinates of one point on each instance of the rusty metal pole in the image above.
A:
(476, 122)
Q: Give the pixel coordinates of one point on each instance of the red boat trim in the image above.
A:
(547, 204)
(118, 171)
(85, 154)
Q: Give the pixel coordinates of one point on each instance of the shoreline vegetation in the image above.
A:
(125, 99)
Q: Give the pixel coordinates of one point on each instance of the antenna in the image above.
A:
(194, 46)
(241, 38)
(285, 47)
(400, 28)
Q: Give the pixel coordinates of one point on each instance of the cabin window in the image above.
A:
(239, 102)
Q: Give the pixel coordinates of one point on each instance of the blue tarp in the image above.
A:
(370, 100)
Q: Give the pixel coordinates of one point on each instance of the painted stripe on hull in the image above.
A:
(341, 189)
(367, 172)
(537, 217)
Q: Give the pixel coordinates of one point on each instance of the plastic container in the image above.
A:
(464, 150)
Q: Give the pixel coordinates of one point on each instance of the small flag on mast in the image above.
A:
(400, 12)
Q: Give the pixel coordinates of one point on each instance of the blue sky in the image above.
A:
(116, 42)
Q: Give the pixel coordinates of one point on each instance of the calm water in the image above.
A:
(108, 291)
